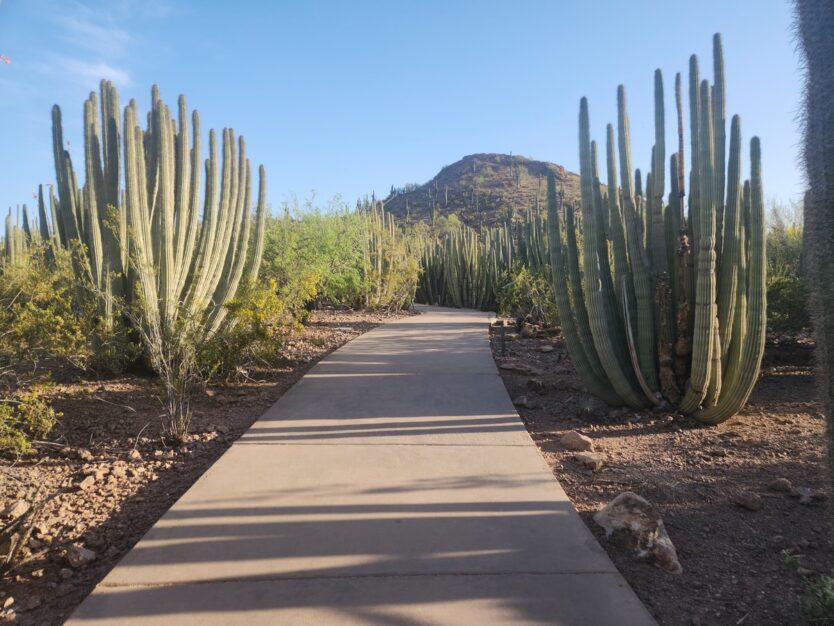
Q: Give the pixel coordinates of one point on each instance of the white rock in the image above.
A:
(573, 440)
(635, 515)
(591, 460)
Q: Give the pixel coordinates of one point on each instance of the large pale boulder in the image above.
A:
(636, 516)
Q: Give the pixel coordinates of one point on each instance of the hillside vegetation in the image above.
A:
(482, 189)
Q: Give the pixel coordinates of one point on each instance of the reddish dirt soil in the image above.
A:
(105, 496)
(740, 566)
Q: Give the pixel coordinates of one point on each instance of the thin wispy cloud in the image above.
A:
(101, 39)
(81, 71)
(94, 42)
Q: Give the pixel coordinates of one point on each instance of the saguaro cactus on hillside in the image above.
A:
(620, 326)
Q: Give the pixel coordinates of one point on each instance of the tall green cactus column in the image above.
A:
(186, 268)
(718, 345)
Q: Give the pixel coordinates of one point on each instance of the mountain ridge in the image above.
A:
(483, 189)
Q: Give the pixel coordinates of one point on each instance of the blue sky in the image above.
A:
(353, 96)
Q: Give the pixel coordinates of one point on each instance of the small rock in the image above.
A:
(537, 385)
(782, 485)
(803, 493)
(16, 509)
(546, 349)
(517, 367)
(524, 401)
(158, 453)
(591, 460)
(804, 571)
(8, 602)
(749, 500)
(134, 455)
(573, 440)
(9, 617)
(87, 483)
(119, 472)
(84, 455)
(635, 515)
(78, 556)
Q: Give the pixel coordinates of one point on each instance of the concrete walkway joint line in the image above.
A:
(393, 485)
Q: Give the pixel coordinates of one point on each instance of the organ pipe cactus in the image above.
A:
(622, 321)
(150, 233)
(18, 238)
(815, 29)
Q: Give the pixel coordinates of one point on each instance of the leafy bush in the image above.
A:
(24, 418)
(313, 255)
(317, 256)
(37, 312)
(787, 293)
(526, 295)
(259, 321)
(818, 602)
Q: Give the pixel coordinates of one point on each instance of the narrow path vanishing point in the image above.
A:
(394, 484)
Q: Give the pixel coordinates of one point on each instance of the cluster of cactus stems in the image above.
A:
(386, 254)
(18, 237)
(661, 303)
(464, 268)
(150, 233)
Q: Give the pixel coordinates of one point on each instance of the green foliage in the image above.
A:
(259, 321)
(527, 295)
(47, 315)
(25, 418)
(390, 268)
(314, 255)
(787, 291)
(358, 258)
(818, 602)
(38, 317)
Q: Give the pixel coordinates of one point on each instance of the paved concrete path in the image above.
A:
(393, 485)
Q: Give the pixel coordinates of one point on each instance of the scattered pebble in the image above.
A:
(78, 556)
(749, 500)
(573, 440)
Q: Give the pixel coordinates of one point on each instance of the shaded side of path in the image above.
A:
(394, 484)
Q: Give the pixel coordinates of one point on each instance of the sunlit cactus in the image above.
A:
(631, 328)
(149, 235)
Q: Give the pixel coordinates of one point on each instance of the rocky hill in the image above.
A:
(482, 189)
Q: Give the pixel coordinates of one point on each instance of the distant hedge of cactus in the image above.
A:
(469, 267)
(463, 268)
(663, 303)
(18, 236)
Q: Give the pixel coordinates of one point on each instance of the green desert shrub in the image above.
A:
(787, 291)
(818, 602)
(524, 294)
(25, 417)
(338, 256)
(314, 255)
(48, 316)
(260, 320)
